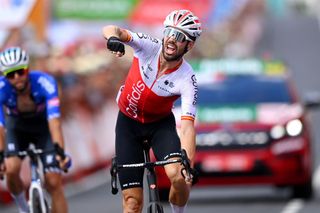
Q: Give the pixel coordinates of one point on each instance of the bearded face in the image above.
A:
(19, 79)
(175, 43)
(173, 50)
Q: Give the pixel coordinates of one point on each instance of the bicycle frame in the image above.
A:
(37, 200)
(36, 187)
(154, 201)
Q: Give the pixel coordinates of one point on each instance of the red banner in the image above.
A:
(152, 12)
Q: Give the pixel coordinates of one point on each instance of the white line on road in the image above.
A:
(295, 205)
(316, 180)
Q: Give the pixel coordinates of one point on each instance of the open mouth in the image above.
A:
(171, 49)
(19, 84)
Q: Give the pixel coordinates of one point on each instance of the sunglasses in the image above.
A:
(20, 72)
(177, 34)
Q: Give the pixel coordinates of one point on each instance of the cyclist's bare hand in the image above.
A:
(116, 46)
(191, 178)
(64, 160)
(65, 163)
(187, 177)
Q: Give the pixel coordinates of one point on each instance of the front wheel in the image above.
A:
(36, 203)
(155, 208)
(35, 206)
(304, 191)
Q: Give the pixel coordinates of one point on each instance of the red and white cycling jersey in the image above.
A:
(146, 97)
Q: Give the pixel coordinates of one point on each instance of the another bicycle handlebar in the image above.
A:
(32, 152)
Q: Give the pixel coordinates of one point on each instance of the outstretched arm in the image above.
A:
(112, 30)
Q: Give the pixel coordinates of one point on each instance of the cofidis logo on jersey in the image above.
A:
(134, 97)
(195, 85)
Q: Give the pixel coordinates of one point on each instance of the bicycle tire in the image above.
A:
(35, 202)
(155, 208)
(47, 206)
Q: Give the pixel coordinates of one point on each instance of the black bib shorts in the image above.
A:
(21, 131)
(130, 134)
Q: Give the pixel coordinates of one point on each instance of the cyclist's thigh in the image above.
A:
(173, 170)
(165, 141)
(16, 140)
(128, 150)
(13, 165)
(53, 182)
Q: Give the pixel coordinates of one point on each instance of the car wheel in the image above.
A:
(304, 191)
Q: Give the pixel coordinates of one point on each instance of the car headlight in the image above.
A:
(277, 132)
(294, 127)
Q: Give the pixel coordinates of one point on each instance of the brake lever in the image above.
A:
(113, 173)
(186, 164)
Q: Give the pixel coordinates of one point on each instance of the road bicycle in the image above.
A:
(38, 200)
(154, 205)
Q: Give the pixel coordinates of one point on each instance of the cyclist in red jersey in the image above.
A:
(158, 76)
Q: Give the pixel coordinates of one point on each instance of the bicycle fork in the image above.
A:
(36, 195)
(154, 205)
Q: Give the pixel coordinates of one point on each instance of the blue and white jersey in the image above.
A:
(44, 93)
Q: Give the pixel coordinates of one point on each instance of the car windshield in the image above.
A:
(245, 89)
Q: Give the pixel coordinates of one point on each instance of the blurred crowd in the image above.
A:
(236, 35)
(89, 76)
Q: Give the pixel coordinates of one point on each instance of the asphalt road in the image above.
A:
(297, 41)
